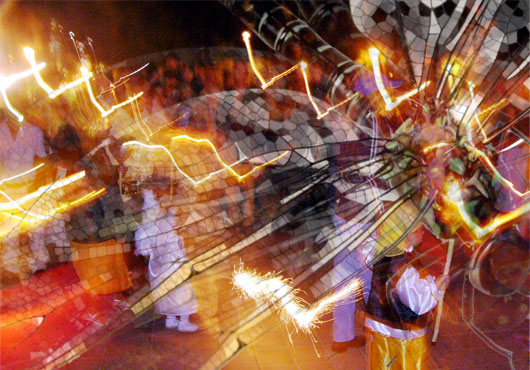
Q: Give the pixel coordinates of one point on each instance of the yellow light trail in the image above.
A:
(7, 81)
(211, 174)
(30, 56)
(43, 189)
(277, 291)
(454, 197)
(474, 108)
(374, 56)
(435, 146)
(485, 160)
(225, 165)
(303, 68)
(21, 174)
(51, 213)
(264, 83)
(104, 113)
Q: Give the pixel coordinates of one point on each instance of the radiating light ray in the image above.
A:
(122, 80)
(486, 161)
(264, 83)
(225, 165)
(303, 68)
(454, 196)
(211, 174)
(7, 81)
(374, 56)
(52, 212)
(276, 290)
(486, 113)
(474, 109)
(30, 56)
(21, 174)
(104, 113)
(43, 189)
(435, 146)
(139, 121)
(520, 141)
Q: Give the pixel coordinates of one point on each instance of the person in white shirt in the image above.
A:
(157, 239)
(401, 297)
(19, 147)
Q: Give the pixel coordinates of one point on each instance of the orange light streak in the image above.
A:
(225, 165)
(30, 56)
(374, 56)
(485, 160)
(264, 83)
(435, 146)
(7, 81)
(303, 68)
(454, 197)
(21, 174)
(211, 174)
(104, 113)
(52, 212)
(276, 290)
(474, 108)
(43, 189)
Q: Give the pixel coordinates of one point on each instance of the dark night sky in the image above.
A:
(122, 29)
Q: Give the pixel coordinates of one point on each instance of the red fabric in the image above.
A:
(41, 318)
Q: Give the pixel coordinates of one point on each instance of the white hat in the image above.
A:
(149, 200)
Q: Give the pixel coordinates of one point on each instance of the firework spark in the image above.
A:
(278, 291)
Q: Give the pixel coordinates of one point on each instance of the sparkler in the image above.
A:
(374, 56)
(277, 290)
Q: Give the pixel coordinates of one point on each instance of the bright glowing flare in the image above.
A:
(211, 174)
(264, 83)
(303, 67)
(7, 81)
(486, 161)
(454, 197)
(104, 113)
(374, 56)
(276, 290)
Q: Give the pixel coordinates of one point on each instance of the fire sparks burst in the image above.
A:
(273, 288)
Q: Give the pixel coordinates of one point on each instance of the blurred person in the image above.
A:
(401, 297)
(241, 75)
(350, 264)
(20, 146)
(156, 238)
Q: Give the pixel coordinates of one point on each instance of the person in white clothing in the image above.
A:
(157, 239)
(401, 297)
(19, 147)
(346, 265)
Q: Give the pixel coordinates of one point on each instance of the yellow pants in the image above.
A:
(395, 354)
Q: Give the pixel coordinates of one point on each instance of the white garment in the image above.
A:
(347, 264)
(17, 155)
(157, 239)
(420, 295)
